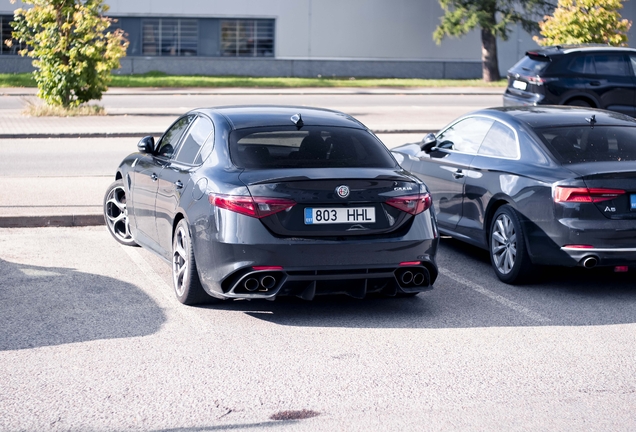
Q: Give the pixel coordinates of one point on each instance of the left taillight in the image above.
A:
(583, 195)
(413, 204)
(257, 207)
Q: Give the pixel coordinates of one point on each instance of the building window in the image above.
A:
(247, 38)
(5, 30)
(170, 37)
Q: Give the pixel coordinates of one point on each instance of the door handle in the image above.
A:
(458, 174)
(178, 184)
(154, 177)
(595, 83)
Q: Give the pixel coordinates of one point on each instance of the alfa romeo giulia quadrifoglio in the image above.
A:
(264, 201)
(534, 186)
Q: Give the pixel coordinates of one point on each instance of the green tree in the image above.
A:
(73, 51)
(585, 21)
(493, 17)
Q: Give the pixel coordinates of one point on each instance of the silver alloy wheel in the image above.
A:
(117, 214)
(503, 244)
(180, 260)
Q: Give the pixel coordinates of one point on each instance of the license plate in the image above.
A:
(633, 201)
(315, 216)
(519, 85)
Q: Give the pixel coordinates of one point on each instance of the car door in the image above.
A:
(145, 186)
(444, 170)
(492, 172)
(614, 83)
(175, 179)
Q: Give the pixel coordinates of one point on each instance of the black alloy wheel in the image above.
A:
(185, 277)
(508, 252)
(116, 214)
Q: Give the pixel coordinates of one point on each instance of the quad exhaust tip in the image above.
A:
(414, 277)
(251, 284)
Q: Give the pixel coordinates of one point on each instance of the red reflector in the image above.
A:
(257, 207)
(579, 246)
(621, 269)
(259, 268)
(572, 194)
(413, 204)
(410, 263)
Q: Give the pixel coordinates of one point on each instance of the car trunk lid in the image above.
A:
(333, 201)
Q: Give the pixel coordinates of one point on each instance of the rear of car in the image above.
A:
(326, 210)
(588, 76)
(595, 210)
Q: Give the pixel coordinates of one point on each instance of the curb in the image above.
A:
(51, 221)
(143, 134)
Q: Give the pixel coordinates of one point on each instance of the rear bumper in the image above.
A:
(307, 283)
(525, 99)
(569, 242)
(355, 266)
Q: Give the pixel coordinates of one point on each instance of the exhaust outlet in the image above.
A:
(407, 277)
(251, 284)
(268, 282)
(590, 262)
(419, 279)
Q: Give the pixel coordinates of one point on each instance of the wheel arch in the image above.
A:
(584, 97)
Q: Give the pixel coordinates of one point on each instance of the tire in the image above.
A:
(579, 103)
(185, 278)
(116, 214)
(507, 247)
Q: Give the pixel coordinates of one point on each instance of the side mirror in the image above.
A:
(146, 145)
(428, 142)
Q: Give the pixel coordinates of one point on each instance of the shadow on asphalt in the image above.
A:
(563, 296)
(45, 306)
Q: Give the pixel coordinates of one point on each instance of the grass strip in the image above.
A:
(159, 79)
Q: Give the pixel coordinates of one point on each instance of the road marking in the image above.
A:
(494, 296)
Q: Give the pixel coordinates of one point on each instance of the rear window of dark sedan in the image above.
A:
(571, 145)
(311, 147)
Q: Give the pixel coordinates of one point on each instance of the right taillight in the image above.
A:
(413, 204)
(585, 195)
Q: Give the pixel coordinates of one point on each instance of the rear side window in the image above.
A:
(570, 145)
(611, 65)
(311, 147)
(500, 141)
(531, 65)
(582, 65)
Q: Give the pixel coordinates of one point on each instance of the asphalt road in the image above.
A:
(92, 338)
(381, 112)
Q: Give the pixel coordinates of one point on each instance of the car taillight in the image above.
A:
(257, 207)
(413, 204)
(583, 195)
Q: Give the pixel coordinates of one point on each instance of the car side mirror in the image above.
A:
(146, 145)
(428, 142)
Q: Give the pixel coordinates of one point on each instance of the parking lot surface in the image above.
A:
(92, 338)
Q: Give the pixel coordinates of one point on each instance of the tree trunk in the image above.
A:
(489, 61)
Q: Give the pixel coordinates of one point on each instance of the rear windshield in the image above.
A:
(571, 145)
(312, 147)
(531, 65)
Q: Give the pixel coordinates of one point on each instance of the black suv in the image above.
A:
(589, 76)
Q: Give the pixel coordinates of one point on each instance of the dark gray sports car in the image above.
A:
(259, 202)
(535, 185)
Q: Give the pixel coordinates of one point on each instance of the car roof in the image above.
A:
(557, 116)
(557, 50)
(247, 116)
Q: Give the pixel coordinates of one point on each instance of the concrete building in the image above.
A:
(301, 38)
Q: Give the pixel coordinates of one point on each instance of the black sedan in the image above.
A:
(534, 186)
(260, 202)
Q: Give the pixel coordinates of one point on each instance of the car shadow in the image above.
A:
(46, 306)
(471, 296)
